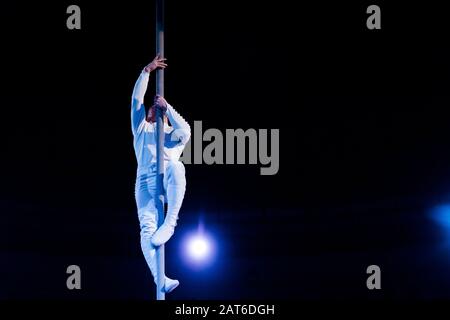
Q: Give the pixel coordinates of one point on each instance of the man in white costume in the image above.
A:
(176, 136)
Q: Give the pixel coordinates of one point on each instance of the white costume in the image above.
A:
(176, 137)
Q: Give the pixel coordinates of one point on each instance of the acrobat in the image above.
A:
(176, 135)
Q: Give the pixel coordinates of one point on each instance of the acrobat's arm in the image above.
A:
(137, 100)
(182, 130)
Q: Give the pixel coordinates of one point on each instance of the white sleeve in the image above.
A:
(182, 130)
(137, 101)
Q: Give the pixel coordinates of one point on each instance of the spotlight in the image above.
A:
(198, 247)
(441, 215)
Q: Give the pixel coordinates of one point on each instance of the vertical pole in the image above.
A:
(160, 295)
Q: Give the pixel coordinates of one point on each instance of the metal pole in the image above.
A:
(159, 199)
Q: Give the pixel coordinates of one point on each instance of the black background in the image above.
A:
(364, 147)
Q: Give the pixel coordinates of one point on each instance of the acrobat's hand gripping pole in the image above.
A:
(160, 295)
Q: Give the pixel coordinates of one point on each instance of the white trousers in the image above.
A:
(174, 188)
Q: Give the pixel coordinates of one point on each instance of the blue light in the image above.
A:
(441, 215)
(198, 248)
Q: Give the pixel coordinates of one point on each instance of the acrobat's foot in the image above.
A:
(170, 285)
(163, 234)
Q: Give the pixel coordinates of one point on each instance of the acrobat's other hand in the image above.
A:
(160, 103)
(157, 62)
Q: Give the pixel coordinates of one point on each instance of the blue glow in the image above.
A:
(441, 215)
(198, 248)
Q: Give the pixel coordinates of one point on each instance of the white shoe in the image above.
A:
(170, 285)
(163, 234)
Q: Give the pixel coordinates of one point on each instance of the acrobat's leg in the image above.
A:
(175, 190)
(148, 224)
(147, 214)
